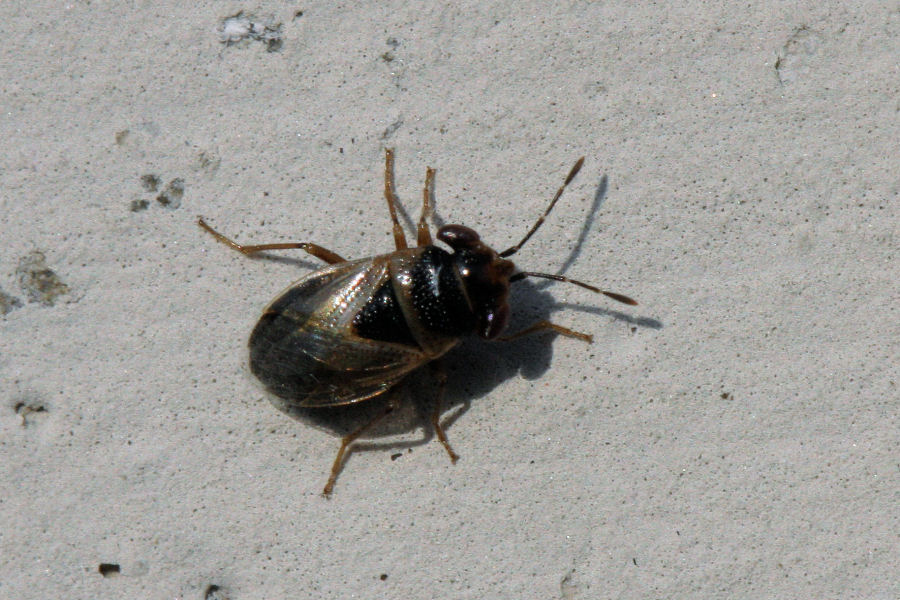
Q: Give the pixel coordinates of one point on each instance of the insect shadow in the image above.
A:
(475, 368)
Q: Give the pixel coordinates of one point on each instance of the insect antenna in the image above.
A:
(620, 297)
(575, 168)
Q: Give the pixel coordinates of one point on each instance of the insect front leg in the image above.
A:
(314, 249)
(547, 325)
(423, 237)
(441, 376)
(391, 197)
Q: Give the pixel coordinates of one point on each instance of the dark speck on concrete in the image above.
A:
(38, 281)
(171, 196)
(8, 303)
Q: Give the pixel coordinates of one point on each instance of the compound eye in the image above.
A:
(458, 236)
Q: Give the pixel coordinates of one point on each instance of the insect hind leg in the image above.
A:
(345, 450)
(318, 251)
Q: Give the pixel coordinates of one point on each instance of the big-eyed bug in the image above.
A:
(353, 329)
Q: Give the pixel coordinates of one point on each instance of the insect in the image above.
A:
(355, 328)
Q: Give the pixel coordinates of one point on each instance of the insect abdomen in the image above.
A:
(382, 319)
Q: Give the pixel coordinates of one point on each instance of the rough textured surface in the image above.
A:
(734, 436)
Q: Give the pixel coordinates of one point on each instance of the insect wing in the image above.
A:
(304, 348)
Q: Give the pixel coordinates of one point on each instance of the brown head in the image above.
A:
(485, 277)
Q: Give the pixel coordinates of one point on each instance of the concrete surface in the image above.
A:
(733, 436)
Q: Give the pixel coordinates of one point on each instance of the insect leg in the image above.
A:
(424, 235)
(441, 376)
(391, 197)
(345, 443)
(547, 325)
(314, 249)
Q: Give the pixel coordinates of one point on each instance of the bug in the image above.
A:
(355, 328)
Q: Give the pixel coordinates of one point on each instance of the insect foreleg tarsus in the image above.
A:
(423, 237)
(318, 251)
(391, 197)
